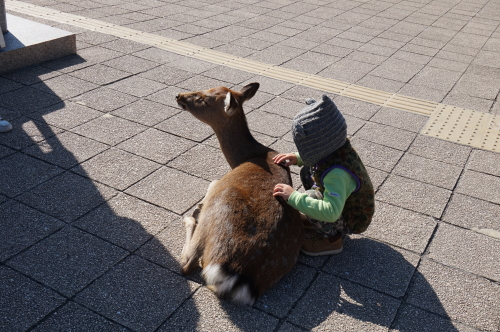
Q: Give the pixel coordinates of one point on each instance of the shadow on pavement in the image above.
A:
(73, 248)
(75, 251)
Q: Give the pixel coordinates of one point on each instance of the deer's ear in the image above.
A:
(248, 91)
(230, 103)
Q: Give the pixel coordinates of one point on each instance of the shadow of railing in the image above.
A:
(105, 253)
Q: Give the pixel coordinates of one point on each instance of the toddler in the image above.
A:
(339, 196)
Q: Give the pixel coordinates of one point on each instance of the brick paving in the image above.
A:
(101, 166)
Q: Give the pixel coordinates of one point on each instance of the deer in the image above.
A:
(243, 238)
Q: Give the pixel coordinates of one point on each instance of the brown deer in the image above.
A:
(244, 238)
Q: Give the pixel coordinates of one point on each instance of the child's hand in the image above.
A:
(283, 190)
(286, 159)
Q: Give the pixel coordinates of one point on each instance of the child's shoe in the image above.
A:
(318, 245)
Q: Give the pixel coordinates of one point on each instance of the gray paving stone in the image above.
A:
(65, 86)
(203, 161)
(456, 294)
(124, 45)
(23, 302)
(375, 155)
(484, 161)
(171, 189)
(145, 112)
(428, 171)
(31, 75)
(167, 75)
(198, 83)
(480, 185)
(359, 109)
(183, 123)
(158, 55)
(167, 96)
(373, 264)
(124, 292)
(68, 260)
(26, 132)
(377, 177)
(413, 319)
(59, 198)
(137, 86)
(66, 150)
(126, 221)
(451, 246)
(5, 151)
(400, 227)
(276, 54)
(72, 315)
(116, 168)
(7, 85)
(100, 74)
(422, 92)
(386, 135)
(472, 213)
(440, 150)
(269, 124)
(104, 99)
(27, 99)
(65, 115)
(204, 311)
(400, 119)
(131, 64)
(22, 227)
(380, 83)
(109, 129)
(436, 78)
(20, 173)
(414, 195)
(284, 107)
(166, 246)
(226, 74)
(332, 301)
(468, 102)
(280, 298)
(165, 148)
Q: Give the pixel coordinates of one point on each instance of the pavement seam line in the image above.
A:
(483, 132)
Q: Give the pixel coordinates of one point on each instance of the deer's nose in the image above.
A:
(178, 96)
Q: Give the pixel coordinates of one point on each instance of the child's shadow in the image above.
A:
(347, 294)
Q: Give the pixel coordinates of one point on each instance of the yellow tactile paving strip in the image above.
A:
(459, 125)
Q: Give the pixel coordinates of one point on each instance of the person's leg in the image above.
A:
(322, 238)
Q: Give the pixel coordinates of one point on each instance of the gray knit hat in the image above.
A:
(318, 130)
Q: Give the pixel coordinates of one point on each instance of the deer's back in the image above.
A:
(248, 230)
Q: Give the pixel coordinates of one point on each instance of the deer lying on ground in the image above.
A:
(244, 238)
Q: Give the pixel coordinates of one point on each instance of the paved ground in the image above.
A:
(102, 165)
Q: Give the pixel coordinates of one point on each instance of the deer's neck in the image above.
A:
(238, 144)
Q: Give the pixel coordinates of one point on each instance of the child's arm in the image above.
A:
(338, 186)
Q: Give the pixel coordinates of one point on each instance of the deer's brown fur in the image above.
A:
(244, 238)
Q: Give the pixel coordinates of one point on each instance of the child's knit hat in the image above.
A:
(318, 130)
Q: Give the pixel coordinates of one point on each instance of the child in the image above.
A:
(342, 200)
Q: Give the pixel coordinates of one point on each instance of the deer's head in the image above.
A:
(216, 106)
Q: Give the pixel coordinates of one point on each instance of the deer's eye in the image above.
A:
(199, 100)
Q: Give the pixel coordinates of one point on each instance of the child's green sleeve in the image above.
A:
(338, 184)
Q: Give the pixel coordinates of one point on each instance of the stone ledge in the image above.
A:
(29, 43)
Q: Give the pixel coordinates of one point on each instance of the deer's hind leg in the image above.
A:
(190, 255)
(191, 251)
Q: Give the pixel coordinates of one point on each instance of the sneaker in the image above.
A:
(318, 245)
(5, 126)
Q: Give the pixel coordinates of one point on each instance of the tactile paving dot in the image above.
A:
(477, 129)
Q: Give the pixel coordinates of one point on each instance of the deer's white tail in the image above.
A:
(229, 285)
